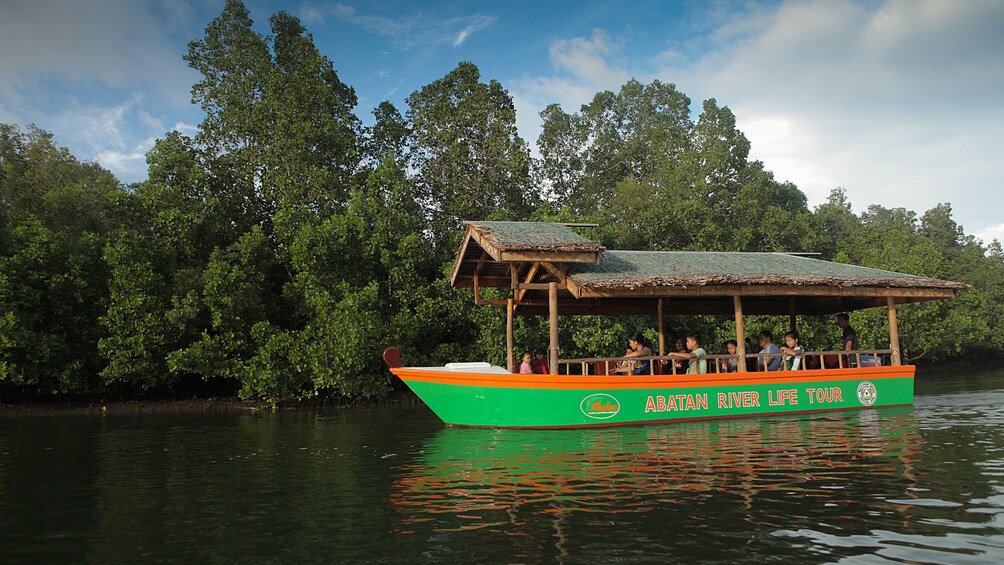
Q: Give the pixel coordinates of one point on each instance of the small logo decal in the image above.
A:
(600, 406)
(867, 393)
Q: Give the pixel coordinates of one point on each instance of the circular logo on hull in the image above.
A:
(600, 406)
(867, 393)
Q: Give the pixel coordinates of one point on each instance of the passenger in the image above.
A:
(849, 341)
(681, 365)
(637, 347)
(792, 350)
(625, 367)
(540, 364)
(526, 368)
(731, 347)
(767, 346)
(752, 363)
(694, 355)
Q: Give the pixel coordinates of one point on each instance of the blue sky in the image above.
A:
(900, 102)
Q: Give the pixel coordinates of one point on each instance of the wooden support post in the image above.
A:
(509, 353)
(791, 315)
(893, 332)
(552, 300)
(662, 330)
(740, 332)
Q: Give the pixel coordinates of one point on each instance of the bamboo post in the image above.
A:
(740, 332)
(552, 300)
(510, 361)
(893, 332)
(662, 330)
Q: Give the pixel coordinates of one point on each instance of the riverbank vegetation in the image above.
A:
(279, 250)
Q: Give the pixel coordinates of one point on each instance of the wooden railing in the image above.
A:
(665, 365)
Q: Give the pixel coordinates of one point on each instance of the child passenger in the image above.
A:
(730, 365)
(694, 355)
(525, 368)
(792, 350)
(625, 367)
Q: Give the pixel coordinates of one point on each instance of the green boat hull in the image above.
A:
(491, 400)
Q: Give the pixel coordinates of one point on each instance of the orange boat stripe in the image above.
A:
(647, 381)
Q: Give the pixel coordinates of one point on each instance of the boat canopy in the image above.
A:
(528, 256)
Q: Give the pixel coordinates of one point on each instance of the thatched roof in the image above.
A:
(489, 248)
(532, 236)
(648, 269)
(526, 256)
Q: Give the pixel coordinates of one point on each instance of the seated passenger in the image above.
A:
(767, 346)
(525, 368)
(624, 367)
(752, 363)
(637, 347)
(730, 365)
(792, 350)
(540, 364)
(680, 365)
(694, 356)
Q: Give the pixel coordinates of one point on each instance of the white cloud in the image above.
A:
(101, 74)
(407, 31)
(149, 121)
(527, 121)
(583, 67)
(124, 164)
(464, 33)
(187, 129)
(899, 105)
(477, 24)
(991, 233)
(118, 43)
(100, 127)
(589, 59)
(311, 14)
(117, 137)
(899, 102)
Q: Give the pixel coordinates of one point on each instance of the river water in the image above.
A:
(393, 485)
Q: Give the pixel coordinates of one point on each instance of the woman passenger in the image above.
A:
(639, 348)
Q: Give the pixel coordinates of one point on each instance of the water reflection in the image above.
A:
(394, 486)
(833, 485)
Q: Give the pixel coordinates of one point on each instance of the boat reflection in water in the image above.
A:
(750, 477)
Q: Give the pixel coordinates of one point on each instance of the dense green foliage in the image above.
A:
(285, 245)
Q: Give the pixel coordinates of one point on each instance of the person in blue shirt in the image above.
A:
(767, 346)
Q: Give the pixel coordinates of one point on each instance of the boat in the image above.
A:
(552, 270)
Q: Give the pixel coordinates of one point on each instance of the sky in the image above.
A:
(898, 102)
